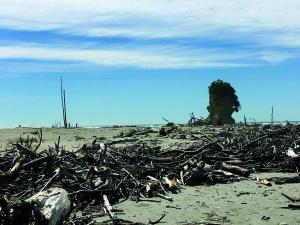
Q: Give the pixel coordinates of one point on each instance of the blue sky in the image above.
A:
(134, 62)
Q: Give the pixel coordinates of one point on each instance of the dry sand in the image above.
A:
(222, 204)
(244, 202)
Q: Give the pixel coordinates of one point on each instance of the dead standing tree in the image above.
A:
(222, 103)
(63, 103)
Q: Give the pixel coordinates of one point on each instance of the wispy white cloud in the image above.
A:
(165, 18)
(275, 57)
(153, 58)
(259, 23)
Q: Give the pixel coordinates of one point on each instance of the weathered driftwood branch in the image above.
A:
(294, 206)
(12, 172)
(108, 207)
(57, 171)
(25, 150)
(291, 198)
(235, 170)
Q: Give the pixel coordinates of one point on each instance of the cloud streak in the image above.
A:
(154, 34)
(134, 18)
(146, 59)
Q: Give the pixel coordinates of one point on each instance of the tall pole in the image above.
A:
(65, 110)
(245, 120)
(62, 99)
(63, 103)
(272, 112)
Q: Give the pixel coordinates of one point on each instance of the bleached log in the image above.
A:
(108, 207)
(235, 170)
(53, 204)
(164, 197)
(290, 152)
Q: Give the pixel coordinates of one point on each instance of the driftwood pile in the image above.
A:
(99, 175)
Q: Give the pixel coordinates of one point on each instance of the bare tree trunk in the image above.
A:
(272, 111)
(65, 110)
(63, 103)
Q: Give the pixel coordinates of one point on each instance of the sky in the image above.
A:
(136, 61)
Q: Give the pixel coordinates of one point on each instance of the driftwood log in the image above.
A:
(235, 170)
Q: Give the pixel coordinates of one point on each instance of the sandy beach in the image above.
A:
(144, 112)
(244, 202)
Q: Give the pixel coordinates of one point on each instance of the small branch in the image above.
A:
(294, 206)
(57, 171)
(157, 221)
(25, 150)
(40, 136)
(290, 198)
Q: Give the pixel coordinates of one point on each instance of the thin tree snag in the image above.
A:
(63, 103)
(62, 99)
(65, 117)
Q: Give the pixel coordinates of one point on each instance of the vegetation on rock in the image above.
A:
(222, 103)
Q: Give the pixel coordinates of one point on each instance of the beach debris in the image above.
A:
(193, 121)
(172, 184)
(294, 206)
(244, 193)
(157, 221)
(53, 205)
(103, 173)
(166, 130)
(295, 157)
(169, 124)
(291, 198)
(235, 170)
(295, 201)
(162, 132)
(265, 182)
(287, 180)
(265, 218)
(108, 207)
(291, 153)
